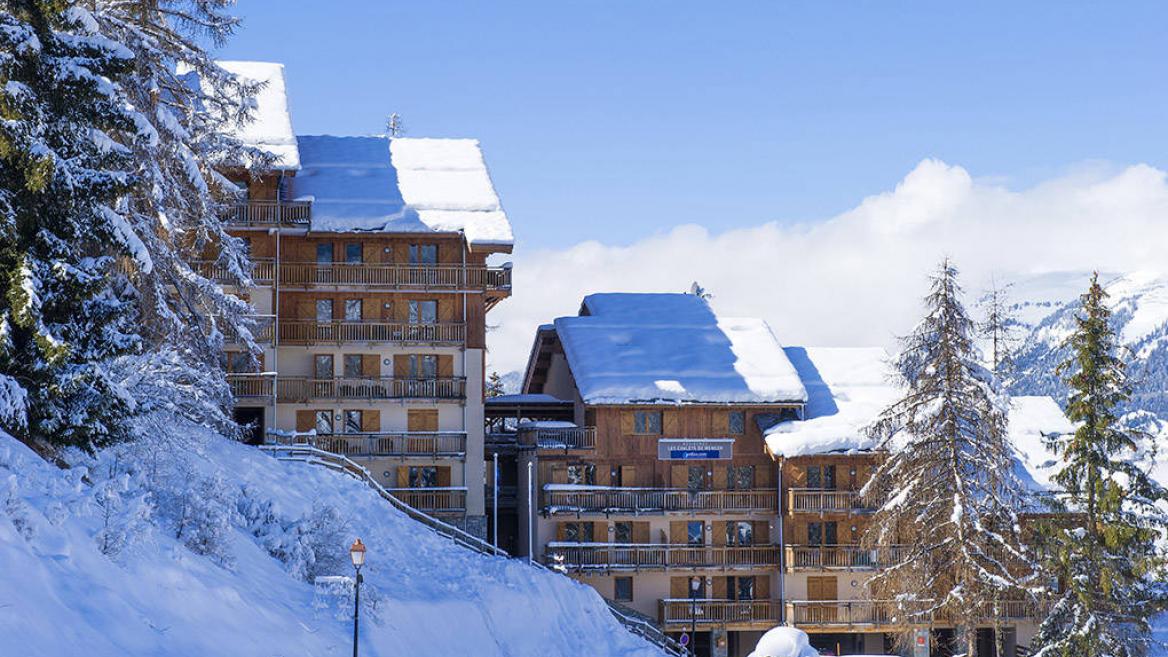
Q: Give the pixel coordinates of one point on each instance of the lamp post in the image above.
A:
(695, 585)
(357, 555)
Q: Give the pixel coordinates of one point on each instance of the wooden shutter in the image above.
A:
(678, 534)
(671, 423)
(679, 476)
(626, 423)
(370, 421)
(719, 423)
(370, 365)
(720, 532)
(678, 587)
(628, 475)
(425, 419)
(559, 473)
(305, 420)
(762, 588)
(640, 532)
(445, 367)
(721, 477)
(401, 366)
(403, 476)
(720, 588)
(762, 532)
(444, 476)
(561, 531)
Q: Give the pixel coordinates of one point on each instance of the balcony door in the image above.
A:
(822, 588)
(323, 374)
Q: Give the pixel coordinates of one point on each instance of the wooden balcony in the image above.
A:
(274, 213)
(813, 500)
(309, 331)
(681, 614)
(645, 501)
(800, 558)
(263, 271)
(311, 275)
(441, 501)
(251, 386)
(592, 557)
(437, 444)
(881, 615)
(303, 389)
(566, 438)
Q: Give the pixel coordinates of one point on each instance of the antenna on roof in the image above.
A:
(394, 127)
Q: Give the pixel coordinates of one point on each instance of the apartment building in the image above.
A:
(372, 281)
(689, 467)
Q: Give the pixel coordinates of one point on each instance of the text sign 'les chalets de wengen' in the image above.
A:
(681, 449)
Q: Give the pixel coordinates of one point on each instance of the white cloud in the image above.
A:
(856, 278)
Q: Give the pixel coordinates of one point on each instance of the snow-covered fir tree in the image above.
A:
(495, 386)
(62, 174)
(998, 327)
(946, 489)
(1106, 548)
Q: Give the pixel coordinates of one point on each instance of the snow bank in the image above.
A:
(61, 595)
(272, 128)
(784, 642)
(400, 185)
(672, 348)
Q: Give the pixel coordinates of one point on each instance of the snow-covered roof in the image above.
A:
(272, 128)
(673, 348)
(400, 185)
(847, 388)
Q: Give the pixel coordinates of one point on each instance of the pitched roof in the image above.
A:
(673, 348)
(272, 128)
(400, 185)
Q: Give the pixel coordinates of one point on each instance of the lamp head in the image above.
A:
(357, 553)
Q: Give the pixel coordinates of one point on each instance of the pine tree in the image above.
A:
(1105, 548)
(62, 172)
(946, 489)
(998, 327)
(495, 386)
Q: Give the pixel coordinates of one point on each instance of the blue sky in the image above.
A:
(618, 120)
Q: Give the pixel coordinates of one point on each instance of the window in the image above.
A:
(353, 310)
(736, 423)
(740, 477)
(353, 254)
(578, 532)
(623, 532)
(423, 366)
(351, 366)
(822, 477)
(697, 478)
(423, 312)
(425, 476)
(582, 474)
(423, 254)
(354, 421)
(623, 589)
(695, 532)
(822, 533)
(238, 361)
(322, 366)
(324, 422)
(324, 310)
(647, 422)
(739, 533)
(743, 588)
(324, 254)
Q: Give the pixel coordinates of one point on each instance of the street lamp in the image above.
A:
(357, 555)
(695, 585)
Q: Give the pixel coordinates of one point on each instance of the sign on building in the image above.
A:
(681, 449)
(921, 642)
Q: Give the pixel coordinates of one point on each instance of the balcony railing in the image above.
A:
(580, 500)
(433, 500)
(841, 557)
(408, 443)
(706, 614)
(628, 556)
(295, 389)
(245, 386)
(812, 500)
(410, 277)
(263, 271)
(884, 613)
(559, 438)
(269, 213)
(308, 331)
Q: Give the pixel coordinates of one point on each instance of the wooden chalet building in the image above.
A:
(371, 278)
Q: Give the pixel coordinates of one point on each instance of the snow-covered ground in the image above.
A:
(91, 563)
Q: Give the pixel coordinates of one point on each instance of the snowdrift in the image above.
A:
(195, 545)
